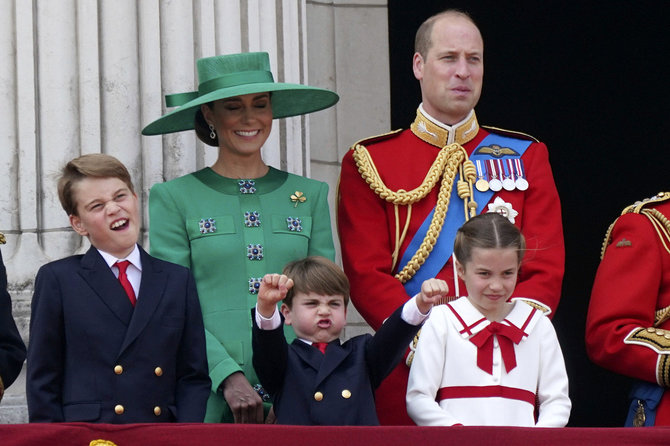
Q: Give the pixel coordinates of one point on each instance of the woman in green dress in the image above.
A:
(239, 219)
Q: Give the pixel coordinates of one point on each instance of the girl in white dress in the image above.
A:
(484, 359)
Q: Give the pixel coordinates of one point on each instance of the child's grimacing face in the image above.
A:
(316, 317)
(490, 277)
(107, 214)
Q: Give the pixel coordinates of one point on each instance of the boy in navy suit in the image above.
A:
(116, 336)
(334, 383)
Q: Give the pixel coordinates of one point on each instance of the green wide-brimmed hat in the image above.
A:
(233, 75)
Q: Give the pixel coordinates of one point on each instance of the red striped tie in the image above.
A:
(125, 283)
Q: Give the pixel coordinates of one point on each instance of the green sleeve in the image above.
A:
(321, 243)
(168, 240)
(221, 365)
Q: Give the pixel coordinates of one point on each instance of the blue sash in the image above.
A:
(455, 216)
(649, 395)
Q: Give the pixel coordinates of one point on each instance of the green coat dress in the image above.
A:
(230, 233)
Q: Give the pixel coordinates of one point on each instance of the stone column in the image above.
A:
(348, 52)
(85, 76)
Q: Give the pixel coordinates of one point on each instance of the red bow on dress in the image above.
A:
(508, 335)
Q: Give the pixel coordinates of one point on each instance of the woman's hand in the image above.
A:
(271, 419)
(245, 403)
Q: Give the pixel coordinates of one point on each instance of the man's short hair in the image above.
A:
(93, 165)
(316, 275)
(423, 38)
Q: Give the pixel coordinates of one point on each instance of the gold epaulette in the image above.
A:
(3, 240)
(658, 220)
(639, 205)
(511, 133)
(376, 138)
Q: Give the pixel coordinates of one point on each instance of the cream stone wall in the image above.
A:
(348, 52)
(84, 76)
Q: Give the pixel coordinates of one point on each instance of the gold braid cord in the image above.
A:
(662, 226)
(606, 242)
(663, 370)
(450, 160)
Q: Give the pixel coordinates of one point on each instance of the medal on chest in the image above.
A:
(495, 183)
(482, 185)
(507, 174)
(521, 182)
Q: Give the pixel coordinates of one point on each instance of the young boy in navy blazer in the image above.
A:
(334, 383)
(113, 342)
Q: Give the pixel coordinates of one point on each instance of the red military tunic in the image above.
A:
(368, 228)
(623, 332)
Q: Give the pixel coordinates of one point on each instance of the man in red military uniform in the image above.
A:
(399, 192)
(628, 324)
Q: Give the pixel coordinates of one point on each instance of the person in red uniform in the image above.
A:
(398, 192)
(628, 323)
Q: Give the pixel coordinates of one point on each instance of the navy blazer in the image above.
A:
(335, 388)
(12, 348)
(93, 357)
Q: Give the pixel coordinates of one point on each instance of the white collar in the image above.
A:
(463, 312)
(133, 257)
